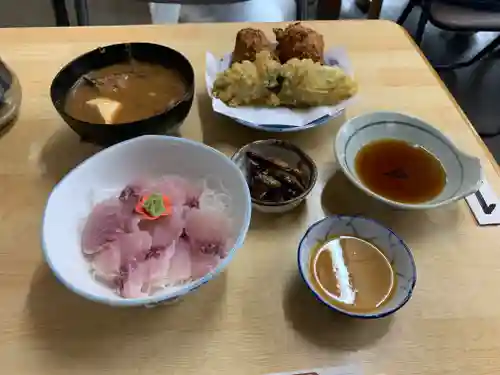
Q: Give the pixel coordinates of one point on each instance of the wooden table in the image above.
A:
(257, 317)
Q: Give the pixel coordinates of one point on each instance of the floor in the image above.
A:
(474, 88)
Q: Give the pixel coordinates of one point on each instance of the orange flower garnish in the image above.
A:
(154, 206)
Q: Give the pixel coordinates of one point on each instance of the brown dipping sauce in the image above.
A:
(400, 171)
(351, 273)
(141, 89)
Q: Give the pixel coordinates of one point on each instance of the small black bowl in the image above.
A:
(99, 58)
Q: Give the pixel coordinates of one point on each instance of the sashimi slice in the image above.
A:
(158, 265)
(106, 264)
(133, 246)
(133, 283)
(201, 264)
(180, 264)
(104, 223)
(130, 196)
(179, 190)
(208, 231)
(165, 230)
(127, 249)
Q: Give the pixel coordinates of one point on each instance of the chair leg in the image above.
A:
(422, 21)
(302, 10)
(406, 12)
(329, 9)
(82, 12)
(491, 47)
(60, 12)
(374, 10)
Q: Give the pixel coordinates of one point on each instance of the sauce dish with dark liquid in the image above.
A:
(405, 162)
(400, 171)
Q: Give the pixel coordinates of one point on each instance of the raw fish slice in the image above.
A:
(208, 231)
(129, 197)
(133, 246)
(106, 264)
(104, 224)
(180, 264)
(132, 223)
(127, 249)
(201, 264)
(179, 190)
(165, 230)
(158, 264)
(133, 282)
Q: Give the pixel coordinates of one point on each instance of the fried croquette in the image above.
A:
(249, 42)
(299, 41)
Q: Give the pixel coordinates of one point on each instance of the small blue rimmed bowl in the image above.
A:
(464, 174)
(290, 154)
(395, 250)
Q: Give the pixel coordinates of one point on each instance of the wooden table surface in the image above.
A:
(257, 317)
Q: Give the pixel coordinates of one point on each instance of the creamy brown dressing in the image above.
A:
(125, 92)
(351, 273)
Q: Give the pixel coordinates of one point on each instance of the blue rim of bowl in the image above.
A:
(410, 121)
(358, 315)
(289, 129)
(151, 300)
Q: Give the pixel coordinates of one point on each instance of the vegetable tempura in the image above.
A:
(306, 84)
(249, 82)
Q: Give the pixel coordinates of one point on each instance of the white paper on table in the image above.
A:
(280, 115)
(337, 370)
(485, 205)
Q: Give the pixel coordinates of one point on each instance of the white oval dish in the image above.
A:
(394, 249)
(103, 176)
(290, 154)
(464, 174)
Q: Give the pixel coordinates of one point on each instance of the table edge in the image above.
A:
(488, 153)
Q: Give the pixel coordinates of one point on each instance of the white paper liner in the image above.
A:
(281, 115)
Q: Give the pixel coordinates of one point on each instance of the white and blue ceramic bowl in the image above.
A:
(464, 175)
(277, 128)
(103, 176)
(395, 250)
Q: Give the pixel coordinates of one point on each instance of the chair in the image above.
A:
(82, 11)
(61, 12)
(330, 9)
(455, 18)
